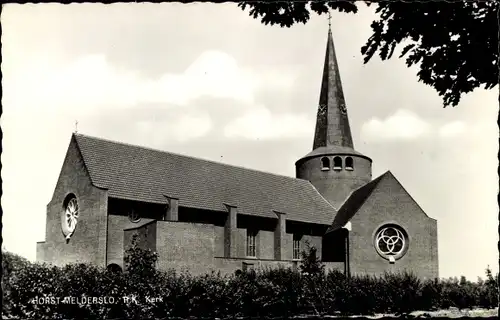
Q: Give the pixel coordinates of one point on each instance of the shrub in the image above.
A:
(289, 290)
(431, 295)
(280, 292)
(401, 292)
(11, 264)
(140, 262)
(313, 273)
(488, 291)
(311, 265)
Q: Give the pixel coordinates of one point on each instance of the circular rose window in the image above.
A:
(69, 216)
(391, 242)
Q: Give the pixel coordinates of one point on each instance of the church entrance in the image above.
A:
(335, 248)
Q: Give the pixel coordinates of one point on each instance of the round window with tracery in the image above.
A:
(69, 216)
(391, 242)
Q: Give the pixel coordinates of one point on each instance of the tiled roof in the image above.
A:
(353, 203)
(143, 174)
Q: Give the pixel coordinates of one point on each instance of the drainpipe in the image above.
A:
(347, 228)
(348, 256)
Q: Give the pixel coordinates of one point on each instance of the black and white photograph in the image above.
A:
(314, 159)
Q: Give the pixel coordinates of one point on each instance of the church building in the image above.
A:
(201, 215)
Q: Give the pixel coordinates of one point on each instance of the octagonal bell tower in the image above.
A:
(333, 166)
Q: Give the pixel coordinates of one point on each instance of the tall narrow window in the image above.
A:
(251, 235)
(296, 246)
(337, 163)
(349, 164)
(325, 164)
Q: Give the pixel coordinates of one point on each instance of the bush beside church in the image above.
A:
(32, 290)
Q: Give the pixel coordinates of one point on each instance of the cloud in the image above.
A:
(402, 125)
(90, 83)
(452, 129)
(186, 127)
(260, 123)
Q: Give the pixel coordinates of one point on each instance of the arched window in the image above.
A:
(114, 268)
(134, 216)
(349, 164)
(325, 163)
(337, 163)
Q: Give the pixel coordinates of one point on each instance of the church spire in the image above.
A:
(332, 124)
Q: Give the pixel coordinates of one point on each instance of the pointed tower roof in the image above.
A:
(332, 124)
(333, 133)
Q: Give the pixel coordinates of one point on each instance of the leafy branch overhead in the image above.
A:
(455, 44)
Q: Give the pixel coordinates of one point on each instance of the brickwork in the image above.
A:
(88, 243)
(230, 233)
(185, 246)
(279, 236)
(218, 241)
(198, 248)
(266, 245)
(145, 236)
(172, 213)
(230, 265)
(287, 250)
(116, 226)
(390, 203)
(335, 185)
(334, 266)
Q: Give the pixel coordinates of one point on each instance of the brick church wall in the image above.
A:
(116, 245)
(88, 243)
(288, 247)
(145, 236)
(188, 246)
(390, 203)
(197, 247)
(266, 245)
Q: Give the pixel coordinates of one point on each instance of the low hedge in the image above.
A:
(37, 291)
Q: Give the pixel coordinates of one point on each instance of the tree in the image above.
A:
(311, 265)
(139, 261)
(313, 271)
(454, 43)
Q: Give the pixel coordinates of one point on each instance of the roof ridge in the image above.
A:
(186, 156)
(85, 164)
(346, 210)
(371, 184)
(321, 196)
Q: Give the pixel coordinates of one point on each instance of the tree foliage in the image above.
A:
(269, 292)
(455, 44)
(311, 265)
(139, 261)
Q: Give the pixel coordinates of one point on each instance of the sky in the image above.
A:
(207, 80)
